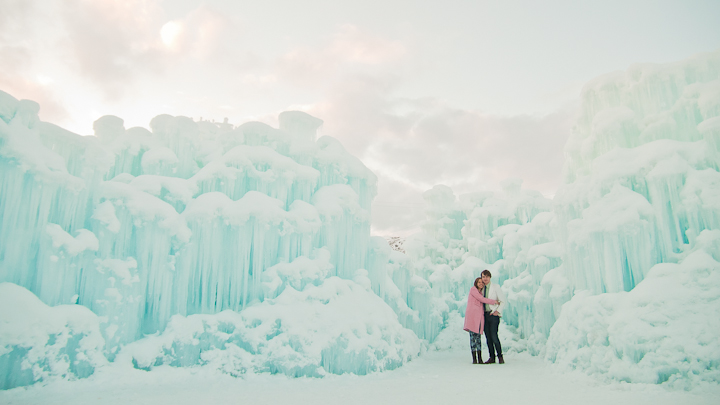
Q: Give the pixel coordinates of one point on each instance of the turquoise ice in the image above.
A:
(248, 248)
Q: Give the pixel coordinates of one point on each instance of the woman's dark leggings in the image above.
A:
(475, 341)
(492, 323)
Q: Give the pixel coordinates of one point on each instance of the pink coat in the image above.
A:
(475, 311)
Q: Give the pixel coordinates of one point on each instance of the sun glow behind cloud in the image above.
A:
(170, 32)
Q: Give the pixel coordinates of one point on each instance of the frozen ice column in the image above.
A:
(300, 124)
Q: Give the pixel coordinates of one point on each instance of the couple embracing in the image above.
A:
(484, 309)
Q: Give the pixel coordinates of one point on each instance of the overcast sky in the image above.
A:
(462, 93)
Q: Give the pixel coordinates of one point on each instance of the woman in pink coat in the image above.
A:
(475, 318)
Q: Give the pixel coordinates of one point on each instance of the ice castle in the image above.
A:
(248, 248)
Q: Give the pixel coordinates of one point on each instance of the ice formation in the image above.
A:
(248, 248)
(617, 275)
(188, 240)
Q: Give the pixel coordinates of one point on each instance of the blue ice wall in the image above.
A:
(186, 218)
(640, 201)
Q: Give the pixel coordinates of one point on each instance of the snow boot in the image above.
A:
(491, 360)
(474, 353)
(500, 359)
(479, 357)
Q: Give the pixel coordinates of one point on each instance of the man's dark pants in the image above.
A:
(492, 323)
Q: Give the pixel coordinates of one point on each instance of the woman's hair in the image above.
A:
(476, 281)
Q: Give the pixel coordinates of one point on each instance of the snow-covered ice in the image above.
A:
(243, 255)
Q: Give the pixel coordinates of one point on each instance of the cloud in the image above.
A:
(350, 44)
(51, 107)
(206, 35)
(15, 37)
(15, 14)
(91, 57)
(111, 41)
(465, 149)
(431, 140)
(350, 49)
(18, 36)
(414, 144)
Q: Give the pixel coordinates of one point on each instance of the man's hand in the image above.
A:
(496, 313)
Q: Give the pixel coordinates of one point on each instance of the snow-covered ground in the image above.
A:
(437, 377)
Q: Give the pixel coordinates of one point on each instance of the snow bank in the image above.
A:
(664, 330)
(334, 327)
(38, 342)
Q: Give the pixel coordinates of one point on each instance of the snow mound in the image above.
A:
(664, 330)
(38, 342)
(333, 328)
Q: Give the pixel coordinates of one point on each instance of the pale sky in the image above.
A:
(461, 93)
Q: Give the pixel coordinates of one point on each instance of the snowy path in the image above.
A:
(435, 378)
